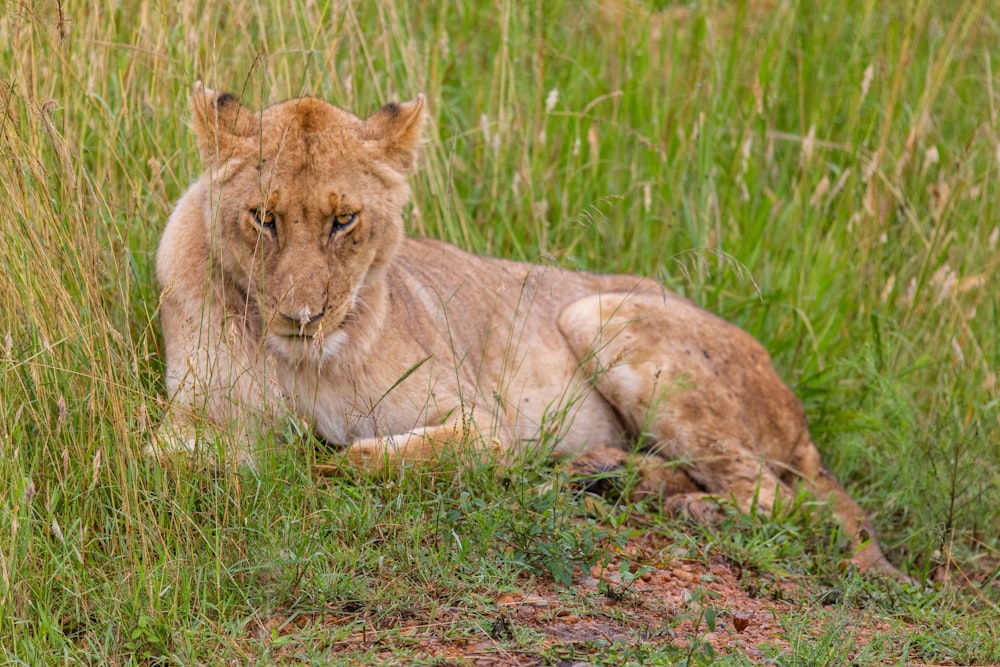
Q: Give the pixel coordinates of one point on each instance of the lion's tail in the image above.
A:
(868, 555)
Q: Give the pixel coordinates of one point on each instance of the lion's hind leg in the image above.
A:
(654, 357)
(646, 476)
(707, 398)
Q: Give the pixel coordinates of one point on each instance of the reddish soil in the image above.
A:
(662, 606)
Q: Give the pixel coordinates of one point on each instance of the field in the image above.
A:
(824, 175)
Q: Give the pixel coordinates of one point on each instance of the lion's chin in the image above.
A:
(312, 350)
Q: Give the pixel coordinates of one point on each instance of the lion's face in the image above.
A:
(306, 215)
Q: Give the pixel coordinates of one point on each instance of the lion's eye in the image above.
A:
(264, 220)
(343, 222)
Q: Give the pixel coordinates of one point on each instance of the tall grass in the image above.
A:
(822, 174)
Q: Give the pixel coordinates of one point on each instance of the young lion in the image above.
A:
(289, 289)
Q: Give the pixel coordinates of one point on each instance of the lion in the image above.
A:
(289, 290)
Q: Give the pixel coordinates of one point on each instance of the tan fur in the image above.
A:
(289, 289)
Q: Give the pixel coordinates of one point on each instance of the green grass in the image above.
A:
(822, 174)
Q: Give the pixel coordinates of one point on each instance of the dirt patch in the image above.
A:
(670, 603)
(688, 604)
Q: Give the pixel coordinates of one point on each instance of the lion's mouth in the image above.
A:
(304, 336)
(314, 331)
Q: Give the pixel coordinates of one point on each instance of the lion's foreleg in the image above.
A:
(220, 396)
(430, 444)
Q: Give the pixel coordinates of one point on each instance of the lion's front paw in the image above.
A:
(170, 443)
(174, 445)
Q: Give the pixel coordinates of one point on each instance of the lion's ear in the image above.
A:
(220, 121)
(397, 129)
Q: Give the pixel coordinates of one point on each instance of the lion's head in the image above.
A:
(306, 203)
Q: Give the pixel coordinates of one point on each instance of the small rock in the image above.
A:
(741, 620)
